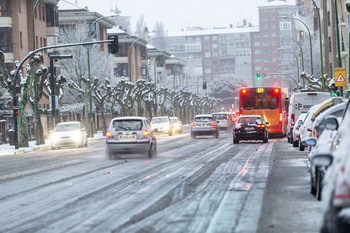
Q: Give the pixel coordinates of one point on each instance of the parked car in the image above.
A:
(322, 144)
(223, 119)
(162, 124)
(296, 128)
(68, 134)
(204, 125)
(250, 127)
(306, 128)
(177, 124)
(336, 183)
(127, 135)
(299, 103)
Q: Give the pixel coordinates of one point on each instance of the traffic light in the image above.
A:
(204, 85)
(335, 91)
(113, 47)
(258, 76)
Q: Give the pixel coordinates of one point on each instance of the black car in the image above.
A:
(250, 127)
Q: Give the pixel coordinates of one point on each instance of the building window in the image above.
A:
(144, 71)
(6, 40)
(266, 60)
(43, 11)
(19, 6)
(5, 8)
(285, 26)
(214, 46)
(207, 54)
(51, 16)
(39, 13)
(36, 42)
(21, 40)
(208, 71)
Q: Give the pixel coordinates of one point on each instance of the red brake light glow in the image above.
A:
(277, 90)
(109, 134)
(194, 124)
(213, 124)
(145, 133)
(281, 117)
(261, 126)
(244, 91)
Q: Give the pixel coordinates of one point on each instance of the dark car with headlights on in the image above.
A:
(126, 135)
(250, 127)
(203, 125)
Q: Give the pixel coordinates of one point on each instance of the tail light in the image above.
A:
(277, 90)
(281, 116)
(260, 126)
(244, 91)
(293, 119)
(145, 133)
(194, 124)
(309, 130)
(213, 124)
(109, 134)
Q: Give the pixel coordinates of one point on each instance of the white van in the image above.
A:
(299, 103)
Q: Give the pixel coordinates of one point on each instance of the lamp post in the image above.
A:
(290, 76)
(308, 30)
(320, 32)
(174, 71)
(129, 58)
(302, 53)
(296, 57)
(338, 40)
(88, 39)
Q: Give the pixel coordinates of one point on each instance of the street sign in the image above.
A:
(340, 77)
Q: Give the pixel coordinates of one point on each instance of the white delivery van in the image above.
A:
(299, 103)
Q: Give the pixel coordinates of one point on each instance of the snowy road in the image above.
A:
(193, 185)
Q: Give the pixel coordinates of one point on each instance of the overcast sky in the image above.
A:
(178, 14)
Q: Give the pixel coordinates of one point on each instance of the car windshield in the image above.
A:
(127, 125)
(220, 116)
(251, 120)
(173, 120)
(203, 119)
(66, 127)
(159, 120)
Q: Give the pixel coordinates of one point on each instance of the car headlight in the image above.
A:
(54, 138)
(76, 136)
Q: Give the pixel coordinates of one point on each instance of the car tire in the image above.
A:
(301, 147)
(53, 148)
(265, 139)
(295, 143)
(312, 187)
(81, 144)
(108, 154)
(330, 222)
(318, 184)
(171, 132)
(235, 140)
(217, 135)
(193, 135)
(288, 139)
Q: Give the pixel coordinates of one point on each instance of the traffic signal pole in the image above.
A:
(15, 103)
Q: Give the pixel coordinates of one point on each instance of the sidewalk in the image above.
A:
(6, 149)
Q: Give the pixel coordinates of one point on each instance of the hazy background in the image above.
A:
(180, 14)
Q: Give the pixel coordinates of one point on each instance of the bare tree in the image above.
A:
(160, 40)
(140, 26)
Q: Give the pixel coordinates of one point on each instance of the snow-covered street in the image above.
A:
(192, 185)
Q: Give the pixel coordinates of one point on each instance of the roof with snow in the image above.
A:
(277, 3)
(214, 31)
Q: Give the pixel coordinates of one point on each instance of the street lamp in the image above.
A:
(320, 32)
(301, 50)
(310, 40)
(88, 39)
(174, 71)
(129, 58)
(296, 57)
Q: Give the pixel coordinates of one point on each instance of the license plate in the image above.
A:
(127, 137)
(249, 128)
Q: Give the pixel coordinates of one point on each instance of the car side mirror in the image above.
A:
(322, 160)
(331, 123)
(300, 122)
(267, 123)
(311, 142)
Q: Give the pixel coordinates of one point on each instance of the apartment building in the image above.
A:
(214, 53)
(276, 57)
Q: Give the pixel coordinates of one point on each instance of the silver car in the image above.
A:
(204, 125)
(68, 134)
(126, 135)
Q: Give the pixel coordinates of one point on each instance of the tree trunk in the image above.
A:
(23, 140)
(86, 113)
(104, 125)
